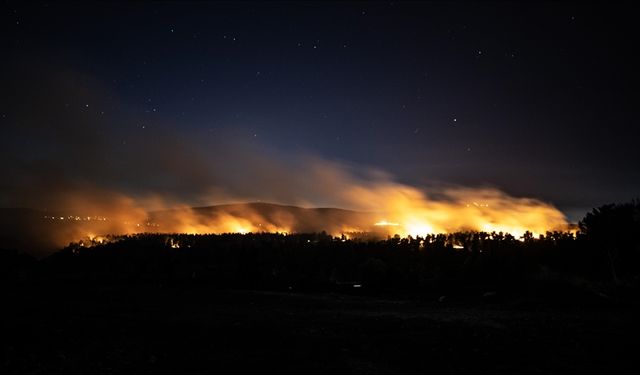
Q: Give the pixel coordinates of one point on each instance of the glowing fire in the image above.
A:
(376, 204)
(384, 223)
(410, 213)
(229, 225)
(379, 208)
(405, 213)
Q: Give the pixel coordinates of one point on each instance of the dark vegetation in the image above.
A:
(606, 250)
(319, 261)
(458, 303)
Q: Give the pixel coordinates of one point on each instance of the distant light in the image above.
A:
(357, 285)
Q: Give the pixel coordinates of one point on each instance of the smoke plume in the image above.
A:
(88, 166)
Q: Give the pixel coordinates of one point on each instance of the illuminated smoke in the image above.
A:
(379, 206)
(150, 183)
(406, 210)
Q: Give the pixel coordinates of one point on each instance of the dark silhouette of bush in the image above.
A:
(612, 233)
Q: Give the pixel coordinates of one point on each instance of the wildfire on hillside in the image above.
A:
(375, 206)
(403, 215)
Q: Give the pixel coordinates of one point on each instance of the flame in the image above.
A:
(384, 223)
(409, 212)
(187, 220)
(406, 212)
(380, 207)
(399, 209)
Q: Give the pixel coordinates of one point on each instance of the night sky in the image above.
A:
(536, 100)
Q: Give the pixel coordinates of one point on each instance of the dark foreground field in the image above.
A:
(194, 329)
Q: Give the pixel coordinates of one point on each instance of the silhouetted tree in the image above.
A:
(614, 230)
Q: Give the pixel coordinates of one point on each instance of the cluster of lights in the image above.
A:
(97, 218)
(76, 218)
(147, 224)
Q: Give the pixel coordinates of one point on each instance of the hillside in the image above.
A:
(42, 232)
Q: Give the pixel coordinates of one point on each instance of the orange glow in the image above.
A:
(189, 221)
(377, 206)
(398, 210)
(409, 212)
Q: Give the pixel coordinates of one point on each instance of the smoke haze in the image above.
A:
(73, 150)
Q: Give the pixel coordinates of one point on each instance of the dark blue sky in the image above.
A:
(533, 99)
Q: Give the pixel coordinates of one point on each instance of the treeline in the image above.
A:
(605, 250)
(316, 260)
